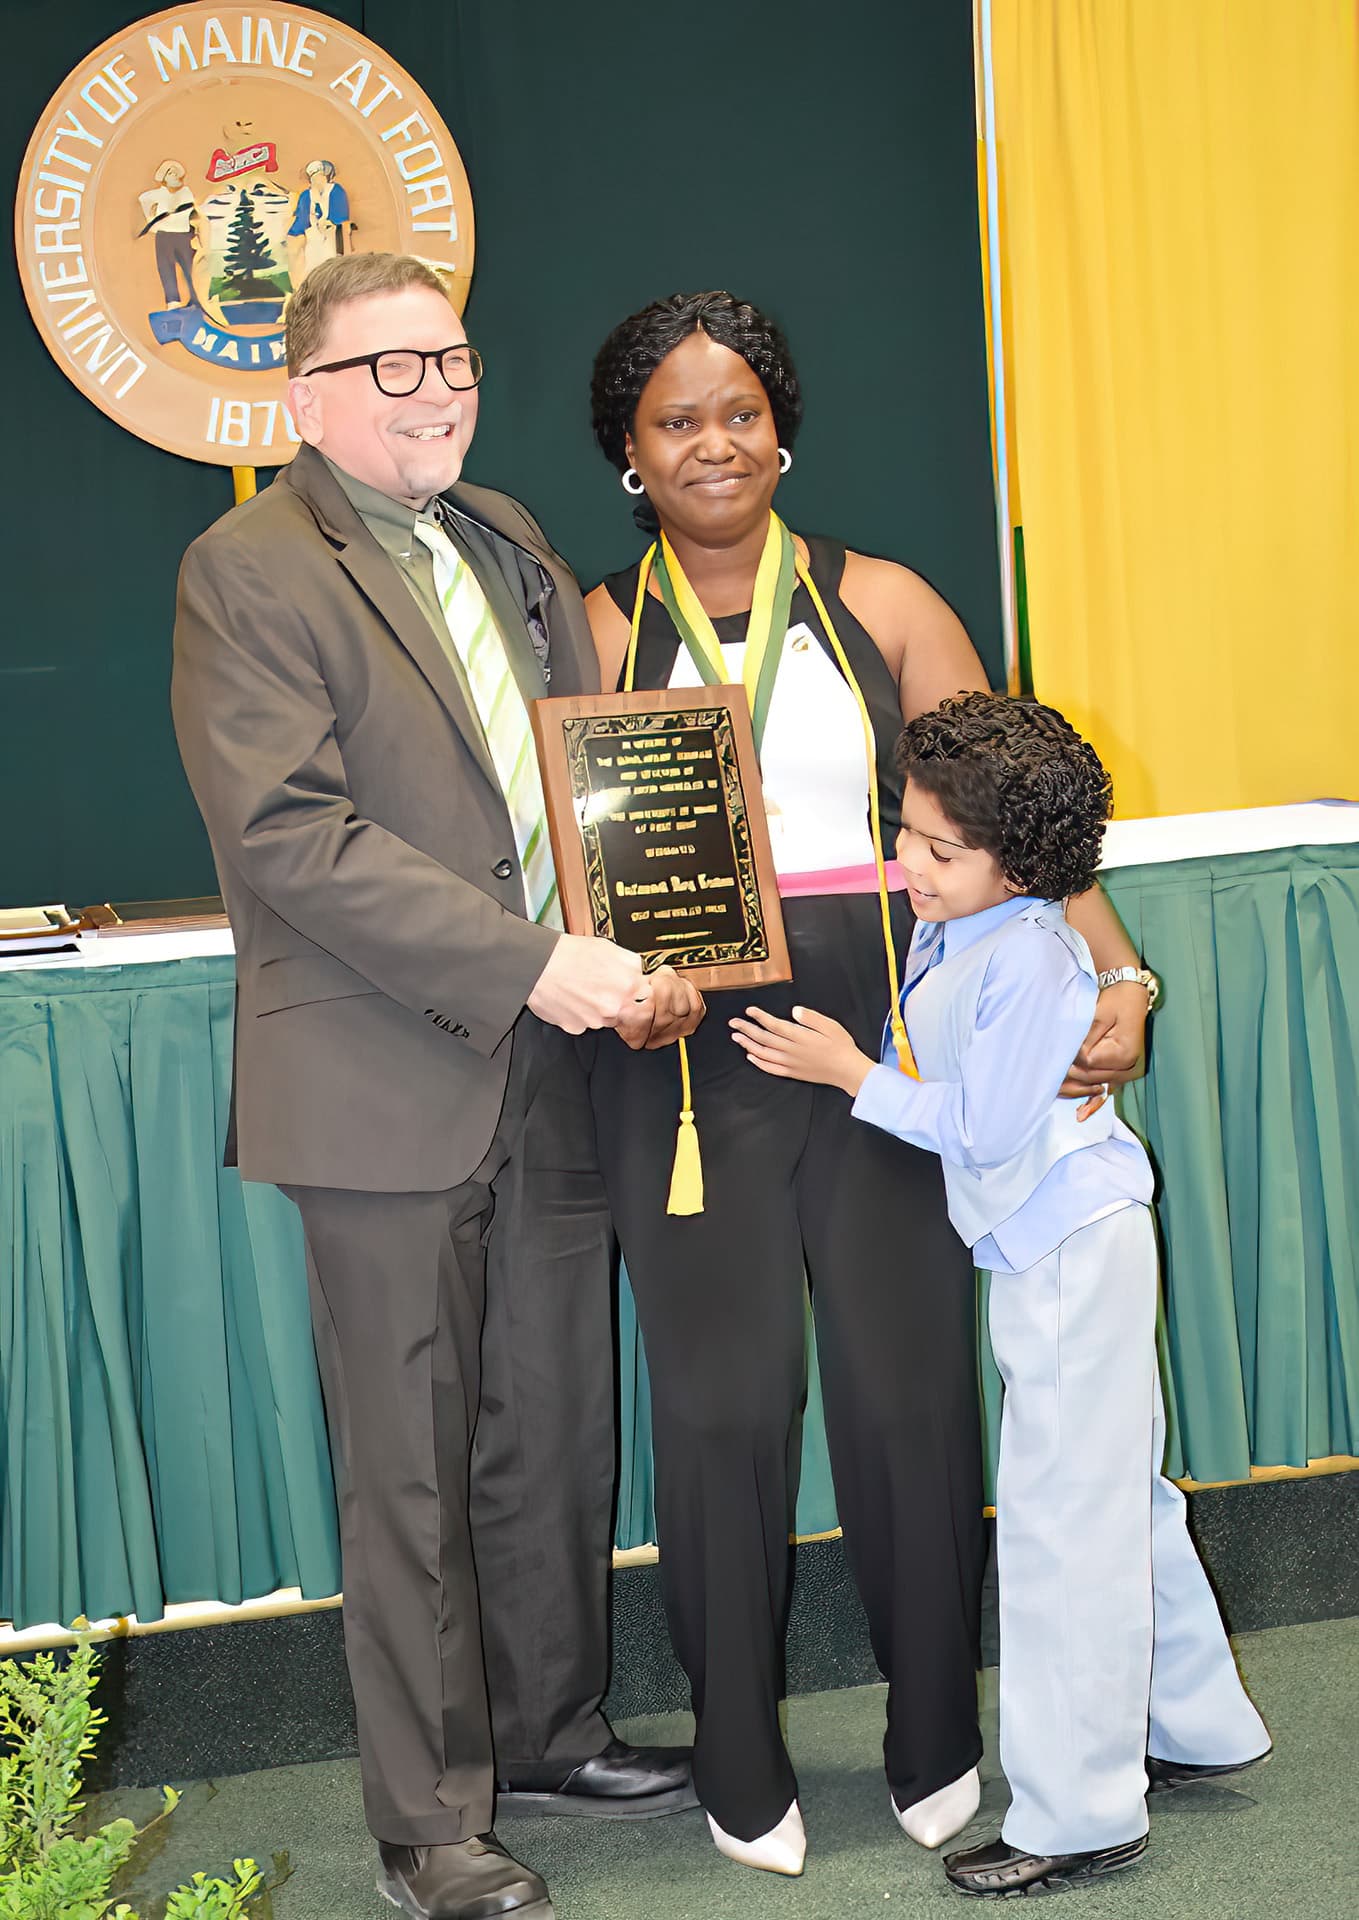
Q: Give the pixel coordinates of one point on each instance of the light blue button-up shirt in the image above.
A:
(1032, 1010)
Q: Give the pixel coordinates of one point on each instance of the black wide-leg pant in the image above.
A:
(465, 1345)
(790, 1178)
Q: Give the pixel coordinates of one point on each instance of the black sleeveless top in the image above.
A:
(658, 644)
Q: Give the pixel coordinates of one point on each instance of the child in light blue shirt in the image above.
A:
(1115, 1671)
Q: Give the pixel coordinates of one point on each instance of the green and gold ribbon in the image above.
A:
(775, 578)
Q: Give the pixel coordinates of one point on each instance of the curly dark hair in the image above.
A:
(637, 346)
(1018, 781)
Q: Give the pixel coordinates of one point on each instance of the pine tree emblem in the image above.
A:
(248, 253)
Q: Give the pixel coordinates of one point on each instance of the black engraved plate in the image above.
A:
(667, 826)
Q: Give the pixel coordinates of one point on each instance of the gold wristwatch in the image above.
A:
(1142, 975)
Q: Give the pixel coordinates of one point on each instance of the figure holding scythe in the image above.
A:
(173, 215)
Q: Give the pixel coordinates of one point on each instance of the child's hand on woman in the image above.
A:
(807, 1047)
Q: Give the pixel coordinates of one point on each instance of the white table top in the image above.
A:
(1194, 836)
(1127, 843)
(126, 950)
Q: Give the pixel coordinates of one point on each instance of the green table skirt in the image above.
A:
(162, 1428)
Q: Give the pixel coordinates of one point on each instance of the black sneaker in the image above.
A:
(1163, 1775)
(998, 1871)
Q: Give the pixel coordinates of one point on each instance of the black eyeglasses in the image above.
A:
(403, 371)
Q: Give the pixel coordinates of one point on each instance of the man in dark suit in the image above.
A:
(355, 651)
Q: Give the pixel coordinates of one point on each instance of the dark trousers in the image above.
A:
(466, 1355)
(175, 250)
(791, 1179)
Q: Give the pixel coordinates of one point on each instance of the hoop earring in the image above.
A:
(785, 459)
(629, 475)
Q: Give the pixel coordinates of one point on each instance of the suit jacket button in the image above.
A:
(503, 869)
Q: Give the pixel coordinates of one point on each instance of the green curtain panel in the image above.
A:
(162, 1437)
(162, 1430)
(1251, 1110)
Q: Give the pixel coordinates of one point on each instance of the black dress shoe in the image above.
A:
(467, 1880)
(1162, 1775)
(621, 1783)
(998, 1871)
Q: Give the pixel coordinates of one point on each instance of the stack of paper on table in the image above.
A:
(36, 929)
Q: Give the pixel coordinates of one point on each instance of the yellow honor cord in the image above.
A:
(643, 576)
(686, 1179)
(905, 1058)
(686, 1174)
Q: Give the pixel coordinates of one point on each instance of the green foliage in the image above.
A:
(205, 1899)
(49, 1870)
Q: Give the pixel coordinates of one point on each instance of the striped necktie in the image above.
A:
(503, 715)
(930, 948)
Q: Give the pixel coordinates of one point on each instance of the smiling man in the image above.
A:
(355, 653)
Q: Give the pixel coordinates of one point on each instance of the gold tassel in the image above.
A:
(905, 1057)
(243, 481)
(686, 1176)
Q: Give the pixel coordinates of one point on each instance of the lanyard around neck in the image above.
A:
(765, 628)
(706, 647)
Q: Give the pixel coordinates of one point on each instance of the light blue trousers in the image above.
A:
(1111, 1643)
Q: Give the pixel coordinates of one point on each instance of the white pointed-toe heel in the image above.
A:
(782, 1850)
(936, 1818)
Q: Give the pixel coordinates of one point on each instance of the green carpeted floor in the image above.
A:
(1282, 1844)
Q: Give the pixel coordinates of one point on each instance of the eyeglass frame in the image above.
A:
(436, 354)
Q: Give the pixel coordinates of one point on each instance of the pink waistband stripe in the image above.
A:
(793, 886)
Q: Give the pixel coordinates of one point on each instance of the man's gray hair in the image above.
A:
(351, 276)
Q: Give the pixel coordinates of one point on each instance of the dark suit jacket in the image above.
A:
(362, 842)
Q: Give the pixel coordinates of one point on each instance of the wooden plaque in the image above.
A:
(658, 830)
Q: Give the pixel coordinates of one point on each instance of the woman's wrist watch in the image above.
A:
(1142, 975)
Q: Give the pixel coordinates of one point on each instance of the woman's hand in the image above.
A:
(1114, 1051)
(665, 1008)
(807, 1047)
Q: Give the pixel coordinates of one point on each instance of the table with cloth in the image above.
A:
(163, 1438)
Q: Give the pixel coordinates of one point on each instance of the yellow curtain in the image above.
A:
(1179, 183)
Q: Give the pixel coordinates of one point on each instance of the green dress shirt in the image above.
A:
(392, 525)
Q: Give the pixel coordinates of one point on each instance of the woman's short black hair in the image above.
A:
(1018, 781)
(637, 346)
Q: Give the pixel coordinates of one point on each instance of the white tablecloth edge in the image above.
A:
(1127, 843)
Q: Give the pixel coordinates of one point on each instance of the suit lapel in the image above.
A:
(386, 592)
(575, 667)
(380, 583)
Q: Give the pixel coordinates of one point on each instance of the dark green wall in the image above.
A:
(819, 160)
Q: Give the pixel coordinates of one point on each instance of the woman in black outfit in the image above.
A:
(696, 402)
